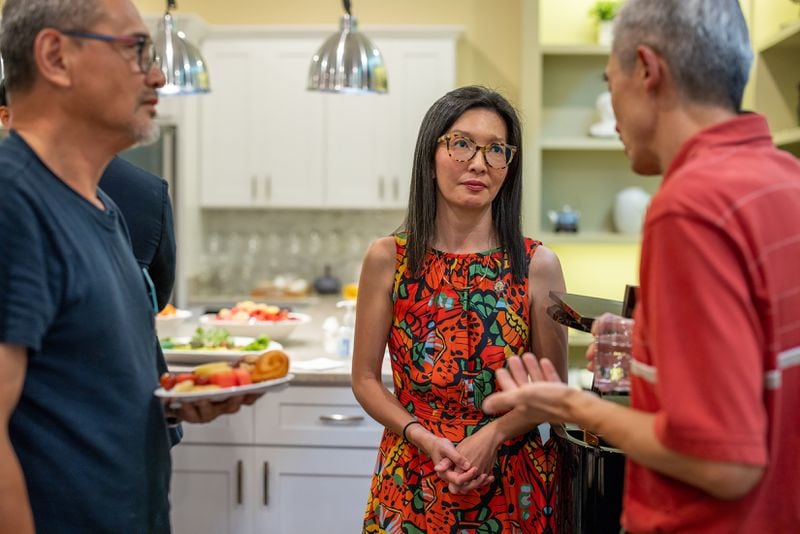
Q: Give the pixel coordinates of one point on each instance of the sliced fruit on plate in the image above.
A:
(219, 375)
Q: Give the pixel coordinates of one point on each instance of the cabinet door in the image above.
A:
(313, 489)
(288, 121)
(227, 168)
(209, 490)
(420, 72)
(356, 126)
(371, 138)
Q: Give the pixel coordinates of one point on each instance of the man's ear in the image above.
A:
(51, 57)
(652, 67)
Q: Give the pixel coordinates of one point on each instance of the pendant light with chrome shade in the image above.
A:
(348, 62)
(183, 66)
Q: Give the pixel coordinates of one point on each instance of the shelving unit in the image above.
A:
(777, 85)
(566, 166)
(578, 170)
(788, 137)
(787, 38)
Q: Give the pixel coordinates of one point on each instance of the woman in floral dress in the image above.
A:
(455, 293)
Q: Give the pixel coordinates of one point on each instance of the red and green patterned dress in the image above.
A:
(453, 327)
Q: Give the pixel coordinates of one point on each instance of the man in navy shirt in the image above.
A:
(83, 441)
(143, 199)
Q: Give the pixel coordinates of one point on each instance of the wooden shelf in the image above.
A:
(588, 237)
(786, 137)
(788, 37)
(576, 50)
(582, 143)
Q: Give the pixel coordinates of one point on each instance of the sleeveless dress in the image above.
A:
(453, 326)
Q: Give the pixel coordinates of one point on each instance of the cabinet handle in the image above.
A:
(268, 186)
(253, 186)
(266, 483)
(341, 418)
(380, 187)
(396, 188)
(239, 476)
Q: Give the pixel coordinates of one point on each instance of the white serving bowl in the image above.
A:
(168, 325)
(276, 330)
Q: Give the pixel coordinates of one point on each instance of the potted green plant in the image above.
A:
(604, 12)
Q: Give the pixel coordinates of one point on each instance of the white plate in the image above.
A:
(278, 330)
(211, 355)
(219, 395)
(168, 325)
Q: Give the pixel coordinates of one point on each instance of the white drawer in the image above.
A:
(315, 416)
(237, 429)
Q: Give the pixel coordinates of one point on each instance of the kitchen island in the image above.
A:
(298, 460)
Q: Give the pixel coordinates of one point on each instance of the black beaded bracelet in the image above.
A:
(412, 422)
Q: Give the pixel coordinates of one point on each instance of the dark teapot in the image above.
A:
(327, 284)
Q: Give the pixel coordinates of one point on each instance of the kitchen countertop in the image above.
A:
(306, 344)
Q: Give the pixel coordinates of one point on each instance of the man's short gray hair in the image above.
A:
(705, 43)
(22, 22)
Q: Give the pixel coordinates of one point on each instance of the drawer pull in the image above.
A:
(341, 418)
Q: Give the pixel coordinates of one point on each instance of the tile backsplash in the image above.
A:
(241, 248)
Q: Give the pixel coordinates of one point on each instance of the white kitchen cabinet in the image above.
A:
(371, 138)
(209, 490)
(259, 125)
(275, 490)
(304, 465)
(313, 489)
(268, 142)
(227, 163)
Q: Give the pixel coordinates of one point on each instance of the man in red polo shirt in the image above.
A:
(715, 392)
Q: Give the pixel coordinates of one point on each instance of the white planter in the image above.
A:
(605, 32)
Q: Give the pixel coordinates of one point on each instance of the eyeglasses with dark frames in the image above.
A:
(145, 49)
(462, 148)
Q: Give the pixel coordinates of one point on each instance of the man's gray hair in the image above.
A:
(22, 22)
(705, 43)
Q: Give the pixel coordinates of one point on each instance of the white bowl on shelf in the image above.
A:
(276, 330)
(169, 325)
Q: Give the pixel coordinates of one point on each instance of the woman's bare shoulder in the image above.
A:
(544, 264)
(381, 253)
